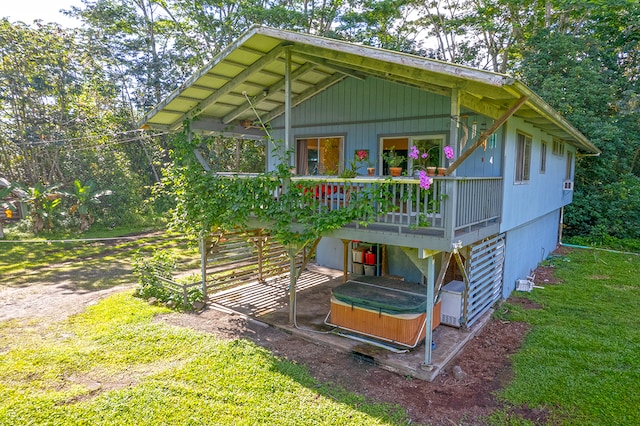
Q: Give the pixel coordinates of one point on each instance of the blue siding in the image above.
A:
(364, 111)
(528, 245)
(330, 253)
(543, 193)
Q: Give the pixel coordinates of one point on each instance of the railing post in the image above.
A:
(451, 207)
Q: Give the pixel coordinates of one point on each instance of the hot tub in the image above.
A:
(383, 308)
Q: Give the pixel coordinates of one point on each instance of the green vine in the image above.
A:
(209, 201)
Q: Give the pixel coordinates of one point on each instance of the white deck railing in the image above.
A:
(450, 205)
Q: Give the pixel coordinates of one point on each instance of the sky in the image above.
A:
(47, 10)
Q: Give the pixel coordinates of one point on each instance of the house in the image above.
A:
(493, 216)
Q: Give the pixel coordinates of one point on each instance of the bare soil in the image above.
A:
(446, 401)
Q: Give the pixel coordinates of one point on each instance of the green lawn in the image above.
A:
(93, 265)
(113, 365)
(581, 360)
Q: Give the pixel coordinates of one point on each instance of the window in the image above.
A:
(400, 146)
(523, 158)
(319, 156)
(431, 144)
(567, 173)
(543, 157)
(558, 148)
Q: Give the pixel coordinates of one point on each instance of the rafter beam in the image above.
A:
(338, 68)
(303, 96)
(230, 85)
(480, 106)
(404, 80)
(255, 100)
(216, 126)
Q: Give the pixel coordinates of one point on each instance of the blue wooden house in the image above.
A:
(488, 220)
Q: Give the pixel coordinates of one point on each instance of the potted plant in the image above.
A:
(394, 161)
(362, 155)
(421, 160)
(421, 167)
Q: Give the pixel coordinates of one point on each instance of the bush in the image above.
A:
(151, 273)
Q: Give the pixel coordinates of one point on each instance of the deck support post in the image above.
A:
(345, 260)
(287, 104)
(425, 261)
(429, 317)
(292, 251)
(203, 262)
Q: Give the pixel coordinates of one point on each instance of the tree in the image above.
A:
(86, 197)
(588, 71)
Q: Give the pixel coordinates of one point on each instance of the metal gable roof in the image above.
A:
(253, 68)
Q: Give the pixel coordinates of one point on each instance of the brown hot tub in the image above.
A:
(383, 308)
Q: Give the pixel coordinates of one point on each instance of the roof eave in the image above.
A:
(536, 103)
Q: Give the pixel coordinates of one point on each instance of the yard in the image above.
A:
(75, 348)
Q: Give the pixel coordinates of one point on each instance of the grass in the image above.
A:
(113, 365)
(581, 360)
(25, 258)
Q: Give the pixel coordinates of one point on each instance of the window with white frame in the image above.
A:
(558, 148)
(319, 155)
(523, 158)
(567, 173)
(543, 157)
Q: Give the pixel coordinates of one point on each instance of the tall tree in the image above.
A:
(584, 63)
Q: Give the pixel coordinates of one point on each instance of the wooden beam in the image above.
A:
(400, 64)
(270, 90)
(310, 92)
(485, 135)
(230, 85)
(338, 68)
(386, 75)
(217, 126)
(480, 106)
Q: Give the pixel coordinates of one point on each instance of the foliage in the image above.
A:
(392, 158)
(207, 201)
(149, 272)
(579, 361)
(86, 197)
(149, 373)
(583, 71)
(43, 201)
(61, 119)
(153, 274)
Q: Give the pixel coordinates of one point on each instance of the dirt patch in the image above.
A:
(446, 401)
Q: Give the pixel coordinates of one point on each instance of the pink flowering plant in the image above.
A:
(420, 163)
